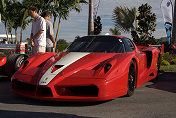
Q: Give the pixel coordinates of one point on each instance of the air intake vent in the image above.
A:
(43, 63)
(56, 67)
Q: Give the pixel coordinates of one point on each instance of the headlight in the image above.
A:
(107, 67)
(99, 65)
(103, 67)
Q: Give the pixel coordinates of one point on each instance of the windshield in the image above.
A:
(97, 44)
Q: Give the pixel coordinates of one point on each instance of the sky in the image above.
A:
(77, 23)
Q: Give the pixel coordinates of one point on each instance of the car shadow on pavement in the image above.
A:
(30, 101)
(8, 97)
(165, 82)
(24, 114)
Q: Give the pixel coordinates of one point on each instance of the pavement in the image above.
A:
(152, 100)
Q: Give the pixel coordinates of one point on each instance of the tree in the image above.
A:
(77, 37)
(115, 31)
(9, 16)
(14, 15)
(61, 41)
(90, 19)
(64, 7)
(146, 26)
(13, 11)
(17, 13)
(97, 25)
(4, 14)
(124, 18)
(10, 24)
(42, 5)
(24, 21)
(58, 8)
(21, 13)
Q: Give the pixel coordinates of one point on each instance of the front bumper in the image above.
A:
(76, 90)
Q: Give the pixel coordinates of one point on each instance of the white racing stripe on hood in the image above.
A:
(65, 61)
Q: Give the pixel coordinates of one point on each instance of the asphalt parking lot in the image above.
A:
(152, 100)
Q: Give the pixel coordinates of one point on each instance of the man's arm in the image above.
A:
(37, 34)
(31, 36)
(52, 34)
(53, 40)
(31, 40)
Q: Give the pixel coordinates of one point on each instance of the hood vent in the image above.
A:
(56, 67)
(43, 63)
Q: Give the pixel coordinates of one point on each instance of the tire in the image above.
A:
(131, 79)
(13, 63)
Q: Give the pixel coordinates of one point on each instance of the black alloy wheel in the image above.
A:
(131, 79)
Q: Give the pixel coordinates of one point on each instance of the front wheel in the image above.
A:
(131, 79)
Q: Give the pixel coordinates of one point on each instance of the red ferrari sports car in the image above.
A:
(93, 68)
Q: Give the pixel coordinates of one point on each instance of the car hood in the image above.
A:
(65, 64)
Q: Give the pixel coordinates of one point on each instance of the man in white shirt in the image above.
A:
(38, 32)
(50, 41)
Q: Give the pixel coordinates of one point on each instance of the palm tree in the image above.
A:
(64, 7)
(91, 20)
(124, 18)
(17, 6)
(54, 12)
(24, 22)
(58, 8)
(11, 17)
(4, 14)
(42, 5)
(20, 11)
(115, 31)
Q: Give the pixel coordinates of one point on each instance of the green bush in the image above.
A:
(165, 63)
(61, 47)
(171, 68)
(168, 57)
(173, 61)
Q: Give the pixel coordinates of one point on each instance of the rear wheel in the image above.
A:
(131, 79)
(158, 68)
(13, 63)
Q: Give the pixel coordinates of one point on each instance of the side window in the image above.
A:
(128, 45)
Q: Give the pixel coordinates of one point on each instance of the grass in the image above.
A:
(170, 68)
